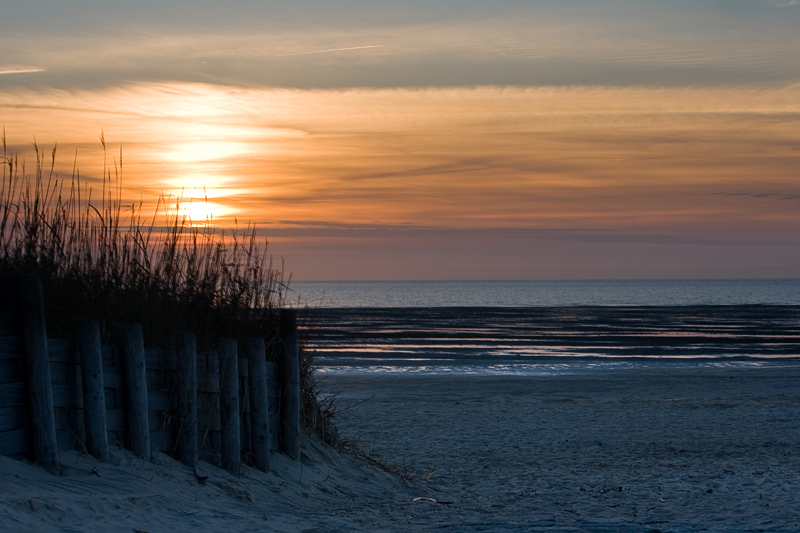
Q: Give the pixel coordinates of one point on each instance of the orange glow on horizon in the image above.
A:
(686, 161)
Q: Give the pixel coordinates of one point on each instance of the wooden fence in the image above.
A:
(58, 395)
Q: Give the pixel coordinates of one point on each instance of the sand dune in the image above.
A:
(323, 492)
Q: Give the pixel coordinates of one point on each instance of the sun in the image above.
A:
(200, 211)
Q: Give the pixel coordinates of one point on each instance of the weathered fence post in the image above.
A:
(136, 382)
(76, 424)
(229, 405)
(290, 384)
(259, 402)
(34, 333)
(94, 396)
(186, 366)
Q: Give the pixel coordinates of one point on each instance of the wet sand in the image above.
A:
(641, 450)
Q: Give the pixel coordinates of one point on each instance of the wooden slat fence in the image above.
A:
(161, 377)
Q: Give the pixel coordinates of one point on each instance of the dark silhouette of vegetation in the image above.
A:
(98, 258)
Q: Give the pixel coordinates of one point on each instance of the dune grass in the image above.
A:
(98, 258)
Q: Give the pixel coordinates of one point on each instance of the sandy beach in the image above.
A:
(676, 450)
(673, 450)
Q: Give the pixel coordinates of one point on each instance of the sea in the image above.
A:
(549, 327)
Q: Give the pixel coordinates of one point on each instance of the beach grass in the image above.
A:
(98, 258)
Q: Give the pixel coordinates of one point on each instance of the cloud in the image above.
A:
(602, 43)
(520, 173)
(324, 229)
(763, 196)
(331, 50)
(19, 70)
(622, 163)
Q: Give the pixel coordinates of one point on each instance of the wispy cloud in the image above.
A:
(602, 43)
(330, 50)
(568, 157)
(19, 70)
(522, 172)
(312, 229)
(764, 195)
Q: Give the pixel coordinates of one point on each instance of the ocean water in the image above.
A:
(337, 294)
(541, 328)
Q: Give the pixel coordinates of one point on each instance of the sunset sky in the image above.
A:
(460, 139)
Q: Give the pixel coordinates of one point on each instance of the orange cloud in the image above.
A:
(715, 163)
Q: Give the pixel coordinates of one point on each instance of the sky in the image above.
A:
(444, 139)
